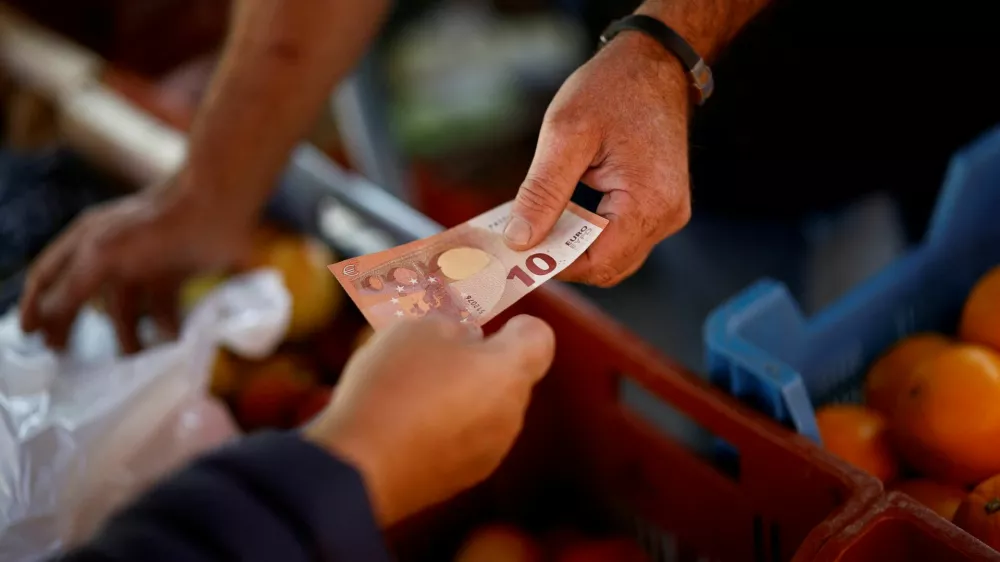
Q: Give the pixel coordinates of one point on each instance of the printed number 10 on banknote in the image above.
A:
(466, 273)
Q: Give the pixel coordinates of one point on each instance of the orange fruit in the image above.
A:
(947, 421)
(269, 402)
(302, 261)
(890, 374)
(196, 288)
(273, 391)
(284, 364)
(314, 402)
(981, 315)
(858, 435)
(500, 543)
(942, 499)
(979, 514)
(225, 374)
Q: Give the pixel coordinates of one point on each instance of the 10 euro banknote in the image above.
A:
(467, 273)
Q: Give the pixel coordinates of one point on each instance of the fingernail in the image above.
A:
(518, 231)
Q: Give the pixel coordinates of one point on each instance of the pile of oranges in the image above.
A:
(930, 426)
(288, 388)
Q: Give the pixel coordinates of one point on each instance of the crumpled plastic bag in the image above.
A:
(84, 432)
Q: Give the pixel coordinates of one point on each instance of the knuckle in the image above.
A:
(605, 275)
(539, 193)
(649, 225)
(567, 120)
(662, 213)
(609, 282)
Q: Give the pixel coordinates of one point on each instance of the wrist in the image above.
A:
(655, 64)
(686, 18)
(325, 433)
(200, 195)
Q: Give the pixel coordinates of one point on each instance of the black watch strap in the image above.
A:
(698, 71)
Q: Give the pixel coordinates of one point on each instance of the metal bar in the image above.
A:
(352, 214)
(41, 60)
(359, 107)
(125, 139)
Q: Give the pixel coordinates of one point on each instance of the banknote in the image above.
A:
(466, 273)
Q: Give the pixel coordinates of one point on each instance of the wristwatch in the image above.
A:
(701, 75)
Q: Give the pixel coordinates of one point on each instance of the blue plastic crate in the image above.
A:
(762, 349)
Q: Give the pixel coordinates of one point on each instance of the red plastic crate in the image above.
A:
(585, 459)
(899, 529)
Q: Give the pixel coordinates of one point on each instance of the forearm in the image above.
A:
(281, 61)
(709, 25)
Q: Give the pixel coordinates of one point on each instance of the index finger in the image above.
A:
(636, 223)
(41, 275)
(612, 257)
(78, 282)
(625, 238)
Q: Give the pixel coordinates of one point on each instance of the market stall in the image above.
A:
(589, 467)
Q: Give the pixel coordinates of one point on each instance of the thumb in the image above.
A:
(561, 159)
(529, 343)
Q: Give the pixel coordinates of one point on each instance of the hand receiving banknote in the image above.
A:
(467, 274)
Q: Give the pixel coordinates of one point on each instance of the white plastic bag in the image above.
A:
(84, 432)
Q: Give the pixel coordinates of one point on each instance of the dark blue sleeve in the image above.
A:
(272, 496)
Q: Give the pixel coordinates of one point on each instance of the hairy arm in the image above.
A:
(280, 63)
(709, 25)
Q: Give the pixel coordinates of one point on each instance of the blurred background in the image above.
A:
(444, 112)
(817, 162)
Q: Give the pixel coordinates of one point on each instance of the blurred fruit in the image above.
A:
(362, 338)
(500, 543)
(282, 363)
(302, 261)
(312, 404)
(225, 374)
(272, 393)
(947, 422)
(890, 374)
(197, 288)
(942, 499)
(979, 513)
(859, 436)
(607, 550)
(981, 315)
